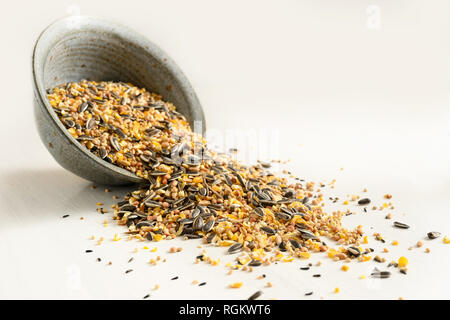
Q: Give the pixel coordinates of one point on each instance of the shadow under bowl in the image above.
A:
(81, 47)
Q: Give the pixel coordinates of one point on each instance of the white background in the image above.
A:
(341, 88)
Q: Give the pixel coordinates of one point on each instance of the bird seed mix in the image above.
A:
(193, 192)
(197, 193)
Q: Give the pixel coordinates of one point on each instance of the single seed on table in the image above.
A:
(65, 216)
(433, 235)
(364, 201)
(304, 268)
(381, 274)
(256, 295)
(236, 285)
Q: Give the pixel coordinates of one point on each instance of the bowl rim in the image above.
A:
(137, 39)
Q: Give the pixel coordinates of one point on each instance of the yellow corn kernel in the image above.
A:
(305, 255)
(336, 290)
(197, 180)
(236, 285)
(395, 243)
(345, 267)
(116, 238)
(332, 253)
(226, 243)
(157, 237)
(402, 262)
(446, 240)
(365, 240)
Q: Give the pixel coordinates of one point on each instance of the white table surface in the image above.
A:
(335, 89)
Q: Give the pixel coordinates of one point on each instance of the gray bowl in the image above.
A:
(80, 47)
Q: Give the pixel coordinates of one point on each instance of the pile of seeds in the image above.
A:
(192, 191)
(120, 123)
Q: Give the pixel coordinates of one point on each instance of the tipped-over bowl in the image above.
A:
(81, 47)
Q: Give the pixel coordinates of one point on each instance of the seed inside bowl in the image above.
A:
(121, 124)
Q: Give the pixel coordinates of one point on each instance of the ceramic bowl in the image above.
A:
(81, 47)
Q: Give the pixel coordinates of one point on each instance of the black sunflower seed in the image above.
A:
(102, 152)
(304, 268)
(152, 204)
(268, 230)
(283, 216)
(198, 223)
(158, 173)
(354, 251)
(259, 211)
(400, 225)
(433, 234)
(306, 234)
(143, 224)
(235, 248)
(255, 296)
(208, 226)
(289, 194)
(192, 236)
(195, 213)
(69, 123)
(210, 237)
(255, 263)
(295, 244)
(115, 143)
(85, 138)
(82, 107)
(128, 207)
(381, 274)
(364, 201)
(120, 133)
(90, 123)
